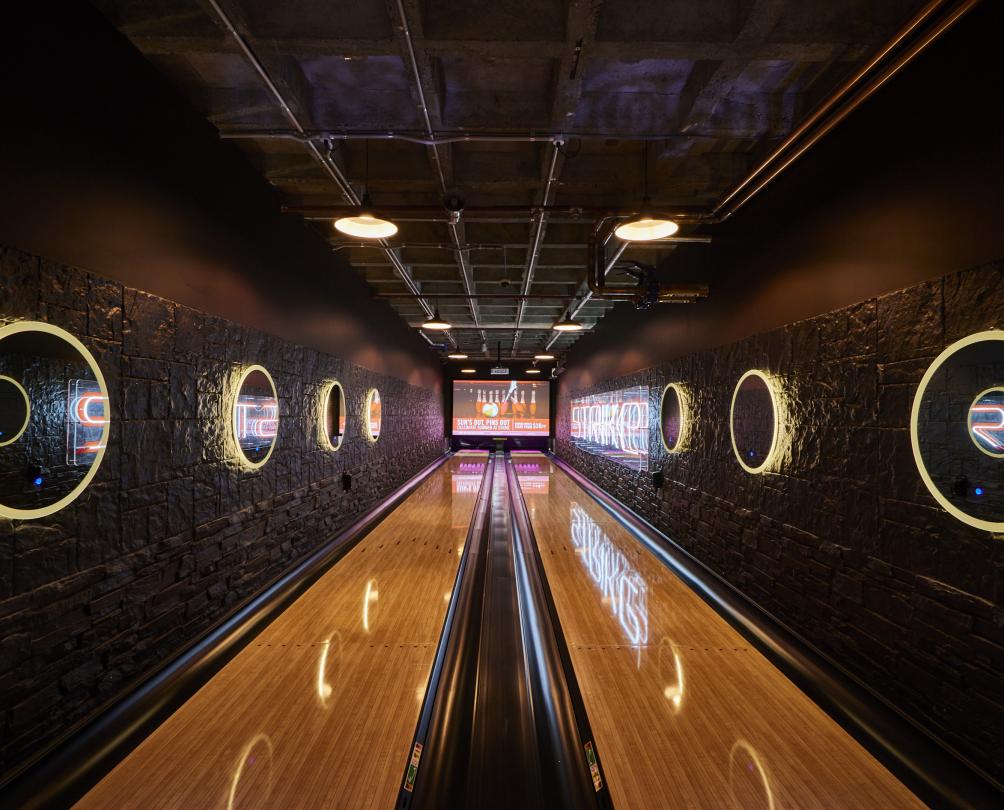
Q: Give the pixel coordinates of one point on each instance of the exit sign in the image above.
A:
(500, 370)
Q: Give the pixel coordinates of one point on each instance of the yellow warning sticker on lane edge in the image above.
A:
(594, 768)
(409, 780)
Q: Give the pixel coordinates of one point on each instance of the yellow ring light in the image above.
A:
(47, 328)
(969, 420)
(322, 424)
(243, 459)
(27, 410)
(681, 397)
(939, 361)
(777, 422)
(373, 392)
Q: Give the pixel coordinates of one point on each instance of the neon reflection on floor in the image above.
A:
(622, 588)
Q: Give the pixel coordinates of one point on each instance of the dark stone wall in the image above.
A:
(843, 543)
(172, 534)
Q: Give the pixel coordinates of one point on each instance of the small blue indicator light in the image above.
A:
(752, 453)
(38, 481)
(978, 491)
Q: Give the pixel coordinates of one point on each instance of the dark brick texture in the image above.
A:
(843, 543)
(172, 534)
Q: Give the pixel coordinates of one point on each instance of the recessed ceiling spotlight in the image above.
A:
(457, 356)
(568, 325)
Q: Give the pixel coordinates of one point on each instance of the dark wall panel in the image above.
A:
(172, 533)
(843, 543)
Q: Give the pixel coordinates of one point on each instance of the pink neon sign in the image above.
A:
(86, 417)
(614, 424)
(256, 421)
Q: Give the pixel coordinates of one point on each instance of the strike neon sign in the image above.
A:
(86, 417)
(614, 424)
(622, 588)
(986, 422)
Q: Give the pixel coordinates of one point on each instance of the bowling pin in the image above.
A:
(533, 401)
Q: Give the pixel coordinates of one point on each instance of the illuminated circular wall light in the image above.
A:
(645, 228)
(676, 393)
(987, 441)
(332, 415)
(986, 349)
(254, 417)
(754, 379)
(374, 415)
(15, 416)
(97, 423)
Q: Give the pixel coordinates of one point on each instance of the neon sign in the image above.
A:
(986, 422)
(256, 421)
(622, 588)
(86, 417)
(614, 425)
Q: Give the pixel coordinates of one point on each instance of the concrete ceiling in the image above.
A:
(701, 90)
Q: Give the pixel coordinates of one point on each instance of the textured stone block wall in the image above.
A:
(172, 534)
(843, 543)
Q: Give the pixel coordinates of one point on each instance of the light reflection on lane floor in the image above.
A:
(685, 713)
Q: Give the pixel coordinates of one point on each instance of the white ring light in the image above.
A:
(243, 459)
(322, 426)
(373, 394)
(939, 361)
(777, 422)
(47, 328)
(27, 410)
(681, 397)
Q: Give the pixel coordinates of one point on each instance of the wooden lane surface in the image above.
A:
(319, 710)
(685, 712)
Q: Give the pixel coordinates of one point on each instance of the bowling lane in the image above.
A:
(684, 711)
(319, 710)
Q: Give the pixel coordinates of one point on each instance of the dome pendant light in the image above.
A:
(365, 225)
(645, 225)
(437, 323)
(567, 325)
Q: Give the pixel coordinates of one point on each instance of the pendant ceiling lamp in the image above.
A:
(366, 225)
(646, 225)
(567, 325)
(437, 323)
(457, 356)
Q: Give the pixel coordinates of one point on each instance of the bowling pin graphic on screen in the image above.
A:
(533, 401)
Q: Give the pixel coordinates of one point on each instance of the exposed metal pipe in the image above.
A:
(466, 275)
(454, 296)
(847, 94)
(485, 246)
(534, 249)
(585, 213)
(329, 166)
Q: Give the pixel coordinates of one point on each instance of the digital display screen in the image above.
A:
(501, 408)
(614, 425)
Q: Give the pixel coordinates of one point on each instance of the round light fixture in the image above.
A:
(366, 226)
(567, 325)
(543, 357)
(436, 323)
(533, 371)
(468, 370)
(457, 356)
(645, 228)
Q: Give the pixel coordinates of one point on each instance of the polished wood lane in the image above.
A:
(319, 710)
(685, 713)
